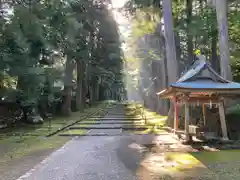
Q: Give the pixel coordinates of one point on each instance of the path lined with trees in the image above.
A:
(59, 56)
(54, 55)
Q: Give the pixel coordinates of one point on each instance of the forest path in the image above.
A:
(106, 154)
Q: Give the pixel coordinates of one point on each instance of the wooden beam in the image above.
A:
(197, 97)
(210, 91)
(202, 101)
(204, 114)
(223, 121)
(187, 118)
(176, 113)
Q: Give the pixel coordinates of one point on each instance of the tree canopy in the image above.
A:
(42, 42)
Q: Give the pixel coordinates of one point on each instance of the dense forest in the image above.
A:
(54, 54)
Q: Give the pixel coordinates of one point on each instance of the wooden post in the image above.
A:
(187, 118)
(175, 114)
(204, 113)
(223, 121)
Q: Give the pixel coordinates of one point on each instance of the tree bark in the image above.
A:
(91, 90)
(172, 65)
(68, 77)
(178, 52)
(79, 91)
(221, 9)
(189, 34)
(96, 92)
(214, 56)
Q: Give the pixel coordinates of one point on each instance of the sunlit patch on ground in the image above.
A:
(176, 165)
(157, 121)
(222, 165)
(150, 131)
(138, 147)
(170, 162)
(152, 121)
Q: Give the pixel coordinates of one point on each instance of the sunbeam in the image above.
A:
(144, 70)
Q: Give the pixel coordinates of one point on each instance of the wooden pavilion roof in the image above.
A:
(201, 81)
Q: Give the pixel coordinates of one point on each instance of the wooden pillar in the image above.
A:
(175, 114)
(187, 119)
(223, 121)
(204, 113)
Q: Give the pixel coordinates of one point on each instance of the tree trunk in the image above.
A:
(172, 65)
(91, 90)
(170, 119)
(159, 84)
(165, 83)
(66, 109)
(178, 52)
(214, 40)
(101, 93)
(159, 73)
(79, 91)
(68, 77)
(85, 87)
(221, 9)
(96, 92)
(214, 56)
(189, 34)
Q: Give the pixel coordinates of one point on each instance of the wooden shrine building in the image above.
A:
(200, 84)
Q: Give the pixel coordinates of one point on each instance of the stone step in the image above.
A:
(114, 119)
(105, 127)
(101, 132)
(116, 113)
(122, 122)
(118, 121)
(96, 127)
(114, 116)
(111, 122)
(97, 134)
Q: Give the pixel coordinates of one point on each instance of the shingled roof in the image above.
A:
(200, 76)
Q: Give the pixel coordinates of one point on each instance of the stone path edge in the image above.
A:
(71, 124)
(87, 135)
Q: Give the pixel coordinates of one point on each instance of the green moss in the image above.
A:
(27, 139)
(74, 132)
(147, 131)
(217, 157)
(149, 117)
(25, 146)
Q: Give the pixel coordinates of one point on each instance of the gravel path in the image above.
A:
(91, 157)
(84, 158)
(109, 158)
